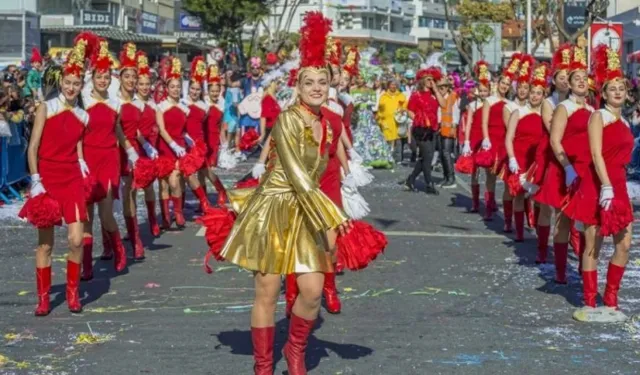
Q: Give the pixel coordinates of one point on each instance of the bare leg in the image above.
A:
(264, 306)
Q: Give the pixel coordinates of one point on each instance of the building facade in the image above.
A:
(12, 27)
(630, 20)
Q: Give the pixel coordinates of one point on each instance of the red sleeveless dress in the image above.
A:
(58, 158)
(330, 181)
(575, 142)
(497, 130)
(147, 125)
(175, 120)
(270, 110)
(347, 106)
(195, 119)
(584, 204)
(535, 173)
(130, 114)
(100, 146)
(212, 131)
(529, 131)
(475, 134)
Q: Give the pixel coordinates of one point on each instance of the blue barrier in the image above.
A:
(13, 160)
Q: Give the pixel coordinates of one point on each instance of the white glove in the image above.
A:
(466, 148)
(151, 151)
(84, 168)
(570, 175)
(354, 156)
(188, 140)
(513, 165)
(177, 149)
(257, 170)
(350, 182)
(606, 196)
(132, 155)
(486, 144)
(36, 186)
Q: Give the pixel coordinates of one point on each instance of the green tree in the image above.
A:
(402, 54)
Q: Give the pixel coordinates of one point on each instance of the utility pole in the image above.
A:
(529, 31)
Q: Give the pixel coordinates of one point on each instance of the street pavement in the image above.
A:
(451, 295)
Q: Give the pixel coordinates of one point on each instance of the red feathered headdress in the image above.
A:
(540, 76)
(170, 68)
(82, 48)
(606, 66)
(128, 57)
(35, 56)
(213, 75)
(334, 51)
(431, 71)
(352, 64)
(101, 58)
(198, 70)
(313, 41)
(513, 67)
(526, 67)
(578, 56)
(293, 77)
(142, 62)
(271, 58)
(561, 59)
(592, 82)
(483, 76)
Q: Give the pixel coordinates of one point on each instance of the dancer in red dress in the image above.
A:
(525, 128)
(103, 159)
(213, 129)
(55, 149)
(570, 145)
(270, 109)
(148, 133)
(350, 70)
(601, 200)
(473, 131)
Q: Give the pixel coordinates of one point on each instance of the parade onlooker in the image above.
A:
(391, 102)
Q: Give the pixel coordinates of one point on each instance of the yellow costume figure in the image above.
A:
(282, 224)
(389, 103)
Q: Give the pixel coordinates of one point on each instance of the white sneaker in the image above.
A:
(600, 314)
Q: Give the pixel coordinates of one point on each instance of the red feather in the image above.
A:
(465, 164)
(313, 40)
(192, 162)
(247, 183)
(218, 223)
(616, 218)
(165, 166)
(361, 245)
(249, 139)
(485, 159)
(514, 185)
(42, 211)
(144, 173)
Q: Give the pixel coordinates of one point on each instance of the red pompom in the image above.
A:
(360, 246)
(248, 183)
(192, 162)
(165, 166)
(464, 164)
(249, 139)
(42, 211)
(144, 173)
(89, 188)
(485, 159)
(218, 223)
(616, 218)
(514, 185)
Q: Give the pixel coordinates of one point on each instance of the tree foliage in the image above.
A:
(402, 54)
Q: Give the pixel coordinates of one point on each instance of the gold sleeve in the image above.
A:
(288, 134)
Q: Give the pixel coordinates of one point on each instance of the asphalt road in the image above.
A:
(451, 295)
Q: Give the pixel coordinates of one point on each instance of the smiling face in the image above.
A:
(214, 92)
(536, 95)
(195, 91)
(174, 88)
(128, 79)
(101, 81)
(523, 91)
(561, 80)
(144, 87)
(615, 93)
(70, 86)
(579, 83)
(393, 86)
(504, 85)
(483, 92)
(336, 77)
(313, 87)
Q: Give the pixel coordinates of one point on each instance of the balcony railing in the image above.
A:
(380, 35)
(394, 6)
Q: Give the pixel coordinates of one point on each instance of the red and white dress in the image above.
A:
(346, 101)
(58, 157)
(544, 154)
(529, 130)
(101, 146)
(147, 126)
(212, 133)
(175, 121)
(475, 133)
(195, 118)
(497, 129)
(270, 109)
(130, 115)
(330, 181)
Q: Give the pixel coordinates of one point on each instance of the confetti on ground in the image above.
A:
(92, 339)
(348, 290)
(152, 285)
(23, 292)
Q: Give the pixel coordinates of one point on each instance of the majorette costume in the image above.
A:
(34, 78)
(281, 224)
(57, 190)
(100, 147)
(214, 120)
(350, 67)
(585, 203)
(575, 141)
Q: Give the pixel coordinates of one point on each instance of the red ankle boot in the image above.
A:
(43, 284)
(543, 243)
(295, 348)
(87, 259)
(331, 293)
(177, 211)
(134, 237)
(560, 257)
(202, 197)
(290, 293)
(507, 206)
(222, 193)
(120, 258)
(488, 205)
(475, 198)
(614, 278)
(165, 213)
(107, 249)
(73, 292)
(590, 287)
(151, 217)
(262, 339)
(519, 216)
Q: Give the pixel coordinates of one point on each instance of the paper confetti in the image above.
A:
(152, 285)
(23, 292)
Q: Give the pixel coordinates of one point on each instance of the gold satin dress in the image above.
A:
(282, 224)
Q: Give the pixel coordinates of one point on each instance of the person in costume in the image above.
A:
(601, 200)
(250, 87)
(102, 156)
(570, 145)
(350, 70)
(270, 109)
(57, 189)
(524, 130)
(214, 136)
(392, 104)
(448, 118)
(34, 77)
(260, 241)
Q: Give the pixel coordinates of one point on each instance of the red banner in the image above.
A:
(609, 33)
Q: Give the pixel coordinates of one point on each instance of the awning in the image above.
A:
(108, 32)
(182, 42)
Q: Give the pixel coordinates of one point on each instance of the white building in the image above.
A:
(430, 26)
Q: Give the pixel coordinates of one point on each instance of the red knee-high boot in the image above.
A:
(151, 217)
(295, 349)
(575, 239)
(529, 214)
(536, 215)
(87, 259)
(590, 287)
(489, 199)
(165, 213)
(201, 194)
(177, 211)
(134, 237)
(262, 340)
(222, 192)
(475, 198)
(120, 255)
(507, 206)
(290, 293)
(560, 257)
(543, 243)
(73, 292)
(43, 284)
(614, 278)
(519, 216)
(331, 293)
(107, 249)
